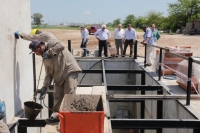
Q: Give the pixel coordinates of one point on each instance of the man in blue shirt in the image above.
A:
(148, 41)
(156, 34)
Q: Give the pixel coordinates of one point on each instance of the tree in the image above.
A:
(37, 18)
(139, 21)
(116, 22)
(183, 11)
(109, 24)
(153, 17)
(130, 19)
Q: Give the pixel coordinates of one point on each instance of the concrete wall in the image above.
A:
(16, 75)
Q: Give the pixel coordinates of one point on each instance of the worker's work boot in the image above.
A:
(53, 119)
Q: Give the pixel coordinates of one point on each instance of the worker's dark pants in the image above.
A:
(103, 43)
(130, 43)
(84, 46)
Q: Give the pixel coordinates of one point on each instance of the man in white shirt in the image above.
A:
(148, 41)
(84, 35)
(119, 35)
(102, 36)
(129, 37)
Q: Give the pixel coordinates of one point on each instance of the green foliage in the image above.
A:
(130, 19)
(37, 18)
(109, 24)
(183, 11)
(116, 22)
(139, 21)
(180, 13)
(153, 17)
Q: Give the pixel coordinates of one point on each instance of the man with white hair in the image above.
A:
(102, 36)
(156, 34)
(119, 35)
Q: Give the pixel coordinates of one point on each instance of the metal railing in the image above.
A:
(189, 59)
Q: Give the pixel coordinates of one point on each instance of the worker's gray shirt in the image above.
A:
(43, 37)
(61, 62)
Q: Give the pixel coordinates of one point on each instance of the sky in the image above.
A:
(93, 11)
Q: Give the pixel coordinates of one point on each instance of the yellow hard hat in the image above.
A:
(34, 31)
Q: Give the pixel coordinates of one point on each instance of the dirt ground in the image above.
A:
(165, 40)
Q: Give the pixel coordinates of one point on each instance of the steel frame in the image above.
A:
(155, 124)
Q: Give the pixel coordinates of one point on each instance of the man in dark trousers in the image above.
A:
(129, 38)
(102, 36)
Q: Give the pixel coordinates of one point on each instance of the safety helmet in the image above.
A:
(33, 32)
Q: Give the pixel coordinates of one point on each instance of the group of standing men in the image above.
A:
(121, 36)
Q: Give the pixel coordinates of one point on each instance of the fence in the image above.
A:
(189, 59)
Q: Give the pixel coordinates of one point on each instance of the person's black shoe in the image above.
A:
(49, 120)
(87, 53)
(83, 56)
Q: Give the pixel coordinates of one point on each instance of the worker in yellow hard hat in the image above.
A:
(59, 63)
(35, 31)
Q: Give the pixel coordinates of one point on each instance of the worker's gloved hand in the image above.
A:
(46, 55)
(42, 92)
(17, 34)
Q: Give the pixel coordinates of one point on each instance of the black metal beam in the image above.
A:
(92, 71)
(135, 49)
(142, 105)
(154, 123)
(145, 55)
(196, 130)
(125, 71)
(114, 71)
(160, 68)
(159, 110)
(34, 74)
(189, 81)
(22, 129)
(31, 123)
(69, 46)
(88, 85)
(135, 87)
(50, 103)
(125, 100)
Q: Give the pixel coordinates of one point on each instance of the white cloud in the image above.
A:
(87, 12)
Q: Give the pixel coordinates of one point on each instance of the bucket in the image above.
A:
(74, 121)
(32, 109)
